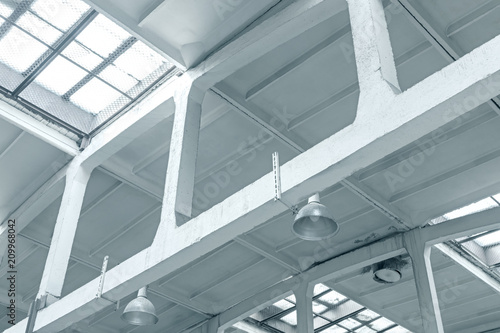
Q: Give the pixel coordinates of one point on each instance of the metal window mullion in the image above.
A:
(337, 321)
(122, 48)
(71, 33)
(84, 22)
(21, 8)
(9, 94)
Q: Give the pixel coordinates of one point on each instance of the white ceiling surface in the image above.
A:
(303, 87)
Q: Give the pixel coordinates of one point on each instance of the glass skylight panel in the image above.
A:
(489, 239)
(283, 304)
(367, 315)
(292, 299)
(365, 329)
(18, 50)
(381, 323)
(319, 288)
(60, 76)
(290, 318)
(350, 323)
(139, 61)
(319, 322)
(117, 78)
(60, 13)
(333, 298)
(39, 28)
(476, 207)
(95, 96)
(82, 55)
(319, 308)
(103, 36)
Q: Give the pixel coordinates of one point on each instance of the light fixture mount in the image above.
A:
(140, 311)
(314, 221)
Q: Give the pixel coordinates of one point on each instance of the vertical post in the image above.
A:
(211, 326)
(424, 281)
(179, 183)
(372, 46)
(304, 296)
(52, 282)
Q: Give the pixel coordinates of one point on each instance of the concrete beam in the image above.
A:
(424, 282)
(372, 46)
(304, 306)
(382, 126)
(469, 266)
(462, 227)
(61, 245)
(179, 184)
(38, 129)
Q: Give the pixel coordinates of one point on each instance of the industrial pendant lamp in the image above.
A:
(140, 311)
(314, 222)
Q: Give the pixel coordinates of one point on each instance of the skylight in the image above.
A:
(476, 207)
(489, 239)
(91, 66)
(483, 247)
(333, 313)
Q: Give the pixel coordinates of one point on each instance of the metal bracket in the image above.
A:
(101, 283)
(103, 274)
(277, 184)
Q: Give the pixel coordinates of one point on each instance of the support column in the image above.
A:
(54, 273)
(179, 183)
(424, 281)
(303, 296)
(372, 46)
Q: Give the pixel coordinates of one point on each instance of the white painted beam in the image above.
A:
(469, 266)
(424, 281)
(179, 184)
(381, 127)
(462, 227)
(304, 306)
(372, 46)
(37, 129)
(64, 232)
